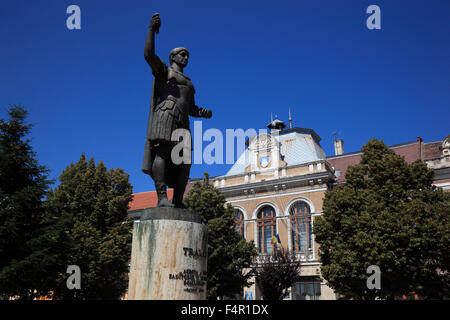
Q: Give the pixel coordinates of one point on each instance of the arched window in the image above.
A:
(239, 220)
(301, 231)
(266, 228)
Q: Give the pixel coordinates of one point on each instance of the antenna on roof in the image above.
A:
(290, 119)
(335, 134)
(338, 144)
(271, 118)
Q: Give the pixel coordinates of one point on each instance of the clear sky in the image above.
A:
(89, 90)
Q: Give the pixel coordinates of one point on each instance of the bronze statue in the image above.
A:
(171, 105)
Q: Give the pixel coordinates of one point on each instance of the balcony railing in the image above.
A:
(299, 256)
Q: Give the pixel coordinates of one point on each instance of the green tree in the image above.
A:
(276, 273)
(90, 206)
(387, 214)
(229, 255)
(23, 184)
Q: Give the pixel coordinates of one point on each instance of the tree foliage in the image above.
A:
(23, 184)
(387, 214)
(276, 273)
(89, 207)
(229, 255)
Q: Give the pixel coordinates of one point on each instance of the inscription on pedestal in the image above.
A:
(198, 253)
(193, 280)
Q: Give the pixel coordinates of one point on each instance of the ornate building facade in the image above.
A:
(277, 187)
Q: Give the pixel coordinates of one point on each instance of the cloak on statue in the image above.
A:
(147, 164)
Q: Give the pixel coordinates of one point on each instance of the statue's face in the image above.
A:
(181, 58)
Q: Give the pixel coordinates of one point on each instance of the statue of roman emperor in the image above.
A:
(172, 103)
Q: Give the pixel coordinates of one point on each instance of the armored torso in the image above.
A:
(176, 98)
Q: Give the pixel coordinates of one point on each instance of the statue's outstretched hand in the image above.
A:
(155, 23)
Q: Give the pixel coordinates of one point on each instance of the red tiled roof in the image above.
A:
(409, 151)
(342, 163)
(149, 199)
(432, 150)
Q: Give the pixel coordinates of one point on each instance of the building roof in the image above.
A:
(149, 199)
(432, 150)
(297, 146)
(409, 150)
(146, 199)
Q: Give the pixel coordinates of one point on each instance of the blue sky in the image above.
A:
(89, 90)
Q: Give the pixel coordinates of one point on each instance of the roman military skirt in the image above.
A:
(167, 117)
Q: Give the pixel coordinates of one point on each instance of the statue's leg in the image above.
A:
(181, 182)
(159, 174)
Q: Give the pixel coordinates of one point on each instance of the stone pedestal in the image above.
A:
(168, 256)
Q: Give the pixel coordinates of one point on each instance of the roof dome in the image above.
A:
(276, 124)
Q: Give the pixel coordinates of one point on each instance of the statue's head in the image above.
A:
(180, 56)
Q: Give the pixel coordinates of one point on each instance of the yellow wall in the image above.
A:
(281, 202)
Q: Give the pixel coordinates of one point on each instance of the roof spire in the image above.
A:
(290, 119)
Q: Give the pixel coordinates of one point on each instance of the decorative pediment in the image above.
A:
(263, 141)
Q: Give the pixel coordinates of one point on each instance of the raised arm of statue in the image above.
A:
(149, 50)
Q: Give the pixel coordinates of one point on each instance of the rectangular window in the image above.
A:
(268, 238)
(307, 289)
